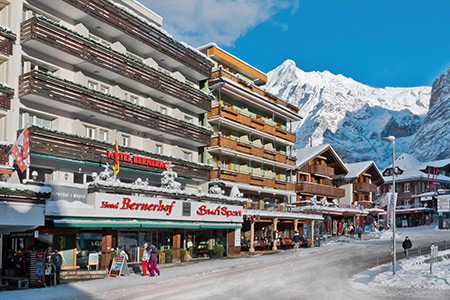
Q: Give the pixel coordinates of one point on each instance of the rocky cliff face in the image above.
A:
(349, 115)
(432, 141)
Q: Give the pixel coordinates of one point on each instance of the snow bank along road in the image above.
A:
(317, 273)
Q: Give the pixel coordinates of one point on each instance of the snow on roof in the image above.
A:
(23, 187)
(411, 169)
(435, 164)
(356, 169)
(304, 155)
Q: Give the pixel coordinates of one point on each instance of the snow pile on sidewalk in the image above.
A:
(413, 273)
(383, 235)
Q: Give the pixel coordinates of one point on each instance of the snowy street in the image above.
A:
(315, 273)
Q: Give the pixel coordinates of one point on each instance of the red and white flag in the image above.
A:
(21, 150)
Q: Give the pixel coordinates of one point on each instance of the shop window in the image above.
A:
(88, 242)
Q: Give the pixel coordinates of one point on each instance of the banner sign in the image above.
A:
(40, 266)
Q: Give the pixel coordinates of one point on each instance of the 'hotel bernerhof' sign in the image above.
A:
(102, 205)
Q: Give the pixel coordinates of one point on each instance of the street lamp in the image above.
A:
(394, 248)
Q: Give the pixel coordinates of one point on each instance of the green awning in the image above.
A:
(139, 223)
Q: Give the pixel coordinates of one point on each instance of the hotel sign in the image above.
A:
(138, 160)
(121, 206)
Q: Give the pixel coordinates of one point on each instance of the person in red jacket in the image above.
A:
(145, 260)
(154, 262)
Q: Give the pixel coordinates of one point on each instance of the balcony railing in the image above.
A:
(7, 42)
(251, 87)
(320, 189)
(55, 89)
(365, 187)
(68, 42)
(255, 179)
(319, 170)
(5, 97)
(58, 144)
(250, 149)
(106, 12)
(228, 112)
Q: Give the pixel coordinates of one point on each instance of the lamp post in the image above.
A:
(394, 248)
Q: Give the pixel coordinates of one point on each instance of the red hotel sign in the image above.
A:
(139, 160)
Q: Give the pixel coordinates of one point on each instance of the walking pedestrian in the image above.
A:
(154, 262)
(57, 261)
(344, 229)
(145, 260)
(352, 231)
(407, 244)
(359, 231)
(296, 239)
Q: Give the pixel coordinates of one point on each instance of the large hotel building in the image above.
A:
(81, 75)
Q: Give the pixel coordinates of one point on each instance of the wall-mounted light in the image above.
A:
(34, 175)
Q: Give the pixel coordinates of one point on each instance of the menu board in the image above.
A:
(119, 267)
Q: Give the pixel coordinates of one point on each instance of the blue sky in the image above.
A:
(377, 42)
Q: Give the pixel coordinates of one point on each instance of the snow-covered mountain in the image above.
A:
(349, 115)
(432, 141)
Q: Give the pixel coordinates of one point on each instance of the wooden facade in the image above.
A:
(250, 149)
(252, 179)
(6, 95)
(105, 11)
(57, 144)
(253, 88)
(226, 111)
(37, 84)
(45, 32)
(7, 40)
(319, 189)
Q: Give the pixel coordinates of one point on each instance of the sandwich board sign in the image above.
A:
(119, 267)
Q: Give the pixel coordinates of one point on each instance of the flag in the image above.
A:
(21, 150)
(116, 159)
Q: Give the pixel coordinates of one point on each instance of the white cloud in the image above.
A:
(198, 22)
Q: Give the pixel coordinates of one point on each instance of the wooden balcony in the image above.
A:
(104, 11)
(57, 144)
(6, 95)
(364, 187)
(7, 40)
(253, 88)
(250, 149)
(4, 157)
(44, 36)
(48, 91)
(319, 170)
(320, 189)
(258, 124)
(235, 176)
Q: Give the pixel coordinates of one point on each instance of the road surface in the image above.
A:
(315, 273)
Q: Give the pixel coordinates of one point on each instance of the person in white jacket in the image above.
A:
(145, 260)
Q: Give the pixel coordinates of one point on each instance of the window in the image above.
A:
(159, 148)
(93, 85)
(103, 135)
(406, 187)
(134, 99)
(188, 119)
(90, 132)
(104, 89)
(390, 188)
(378, 190)
(125, 140)
(39, 121)
(163, 110)
(40, 68)
(187, 155)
